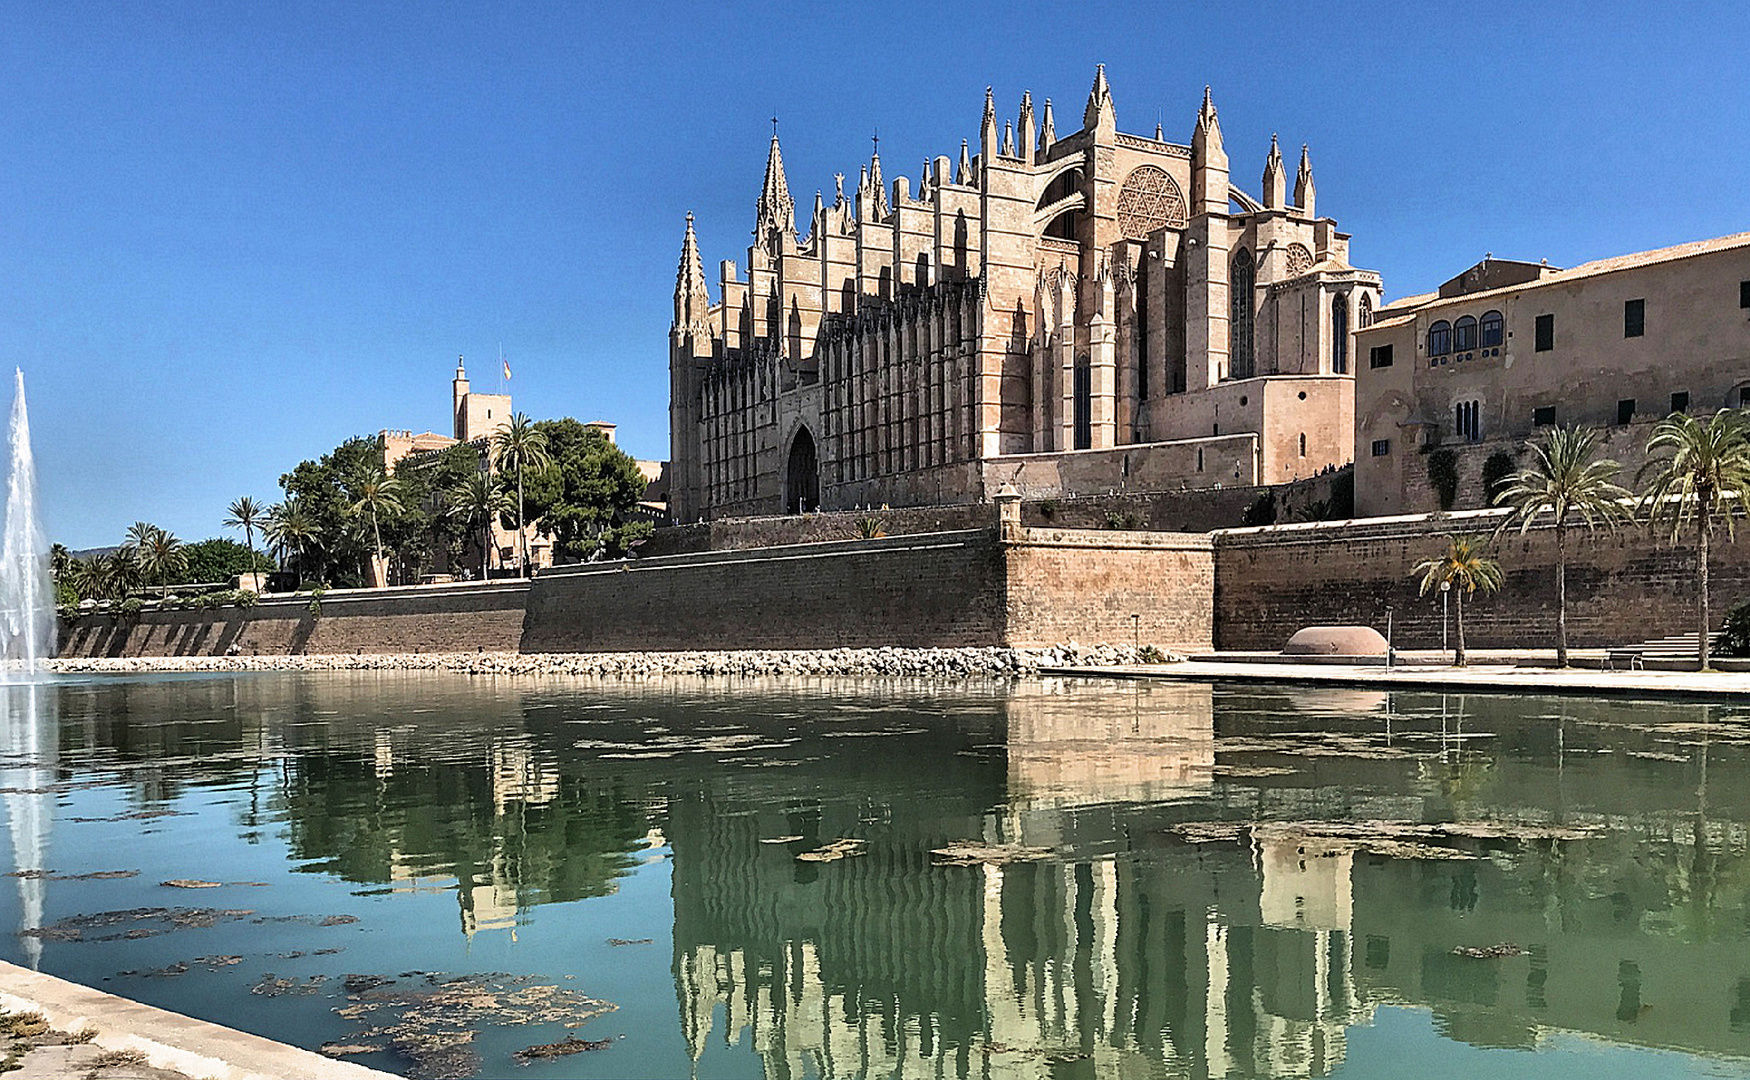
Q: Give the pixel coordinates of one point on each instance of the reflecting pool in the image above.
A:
(445, 875)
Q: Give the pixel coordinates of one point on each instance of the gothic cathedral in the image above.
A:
(1073, 315)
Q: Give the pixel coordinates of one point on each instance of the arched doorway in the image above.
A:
(802, 475)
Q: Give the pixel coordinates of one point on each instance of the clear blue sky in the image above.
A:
(232, 235)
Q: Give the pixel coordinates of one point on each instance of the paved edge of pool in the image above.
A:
(1491, 679)
(196, 1048)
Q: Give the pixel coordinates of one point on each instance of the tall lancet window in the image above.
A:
(1240, 357)
(1140, 336)
(1339, 334)
(1083, 390)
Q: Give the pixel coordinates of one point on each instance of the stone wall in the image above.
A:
(432, 618)
(1623, 587)
(940, 589)
(1111, 587)
(1161, 511)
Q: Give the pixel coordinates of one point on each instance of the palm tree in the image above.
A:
(89, 578)
(246, 514)
(121, 573)
(478, 500)
(291, 528)
(1564, 479)
(1465, 568)
(520, 445)
(374, 493)
(159, 554)
(60, 561)
(1701, 470)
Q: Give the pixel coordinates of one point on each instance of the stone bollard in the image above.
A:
(1008, 502)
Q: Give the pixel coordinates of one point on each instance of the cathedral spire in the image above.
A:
(691, 300)
(1008, 138)
(1208, 124)
(1049, 134)
(1303, 183)
(1029, 140)
(987, 128)
(1099, 111)
(1275, 179)
(963, 175)
(924, 182)
(776, 211)
(877, 187)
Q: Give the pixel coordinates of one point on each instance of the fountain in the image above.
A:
(26, 615)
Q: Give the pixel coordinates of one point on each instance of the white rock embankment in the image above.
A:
(883, 661)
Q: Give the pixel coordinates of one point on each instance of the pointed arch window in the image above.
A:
(1340, 334)
(1439, 341)
(1240, 362)
(1464, 334)
(1493, 327)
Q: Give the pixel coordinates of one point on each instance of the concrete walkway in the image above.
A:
(1486, 677)
(166, 1043)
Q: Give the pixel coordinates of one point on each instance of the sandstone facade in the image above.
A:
(1097, 312)
(1508, 348)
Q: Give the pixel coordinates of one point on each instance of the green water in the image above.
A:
(436, 872)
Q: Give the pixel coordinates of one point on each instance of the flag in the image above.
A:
(506, 364)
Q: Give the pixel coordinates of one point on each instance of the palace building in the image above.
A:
(1072, 314)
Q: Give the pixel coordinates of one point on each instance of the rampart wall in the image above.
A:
(1624, 587)
(440, 618)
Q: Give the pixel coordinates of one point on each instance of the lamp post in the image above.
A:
(1445, 591)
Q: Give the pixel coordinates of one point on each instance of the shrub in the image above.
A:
(1443, 476)
(1047, 508)
(131, 607)
(1149, 654)
(869, 528)
(1262, 511)
(1123, 521)
(1497, 471)
(1735, 641)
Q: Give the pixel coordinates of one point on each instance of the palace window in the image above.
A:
(1340, 334)
(1379, 356)
(1544, 334)
(1464, 334)
(1381, 447)
(1492, 326)
(1469, 423)
(1440, 338)
(1625, 411)
(1680, 401)
(1303, 444)
(1240, 363)
(1744, 294)
(1634, 318)
(1543, 416)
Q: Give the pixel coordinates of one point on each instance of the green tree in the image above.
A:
(221, 559)
(375, 494)
(475, 501)
(1696, 471)
(321, 489)
(121, 573)
(1466, 568)
(585, 496)
(159, 553)
(246, 514)
(520, 447)
(1565, 477)
(290, 528)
